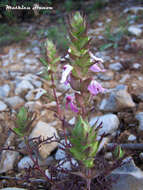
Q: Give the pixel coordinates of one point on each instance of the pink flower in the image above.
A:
(95, 88)
(70, 101)
(66, 73)
(96, 68)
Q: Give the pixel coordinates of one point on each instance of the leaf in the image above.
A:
(105, 46)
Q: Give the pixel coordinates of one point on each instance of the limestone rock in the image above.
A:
(119, 99)
(135, 30)
(15, 101)
(110, 123)
(129, 177)
(45, 130)
(23, 86)
(139, 117)
(3, 106)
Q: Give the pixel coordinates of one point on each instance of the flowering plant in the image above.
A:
(83, 143)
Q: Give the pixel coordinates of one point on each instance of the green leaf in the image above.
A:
(105, 46)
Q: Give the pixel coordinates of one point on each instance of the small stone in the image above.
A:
(35, 94)
(118, 100)
(23, 86)
(136, 66)
(45, 130)
(108, 156)
(124, 78)
(135, 30)
(67, 165)
(139, 117)
(141, 156)
(132, 138)
(106, 76)
(60, 154)
(110, 123)
(4, 90)
(33, 106)
(3, 106)
(15, 101)
(116, 66)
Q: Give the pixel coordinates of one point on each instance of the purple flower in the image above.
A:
(66, 73)
(95, 88)
(70, 101)
(96, 68)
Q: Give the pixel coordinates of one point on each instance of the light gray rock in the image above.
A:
(66, 164)
(132, 138)
(135, 30)
(136, 66)
(134, 9)
(15, 101)
(45, 130)
(118, 99)
(27, 162)
(106, 76)
(23, 86)
(141, 156)
(110, 123)
(4, 91)
(140, 96)
(35, 94)
(129, 177)
(108, 156)
(60, 154)
(116, 66)
(139, 117)
(30, 60)
(3, 106)
(8, 157)
(33, 105)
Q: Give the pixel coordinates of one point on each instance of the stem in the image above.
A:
(88, 180)
(55, 96)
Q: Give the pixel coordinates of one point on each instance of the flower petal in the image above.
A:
(95, 68)
(95, 88)
(66, 72)
(94, 58)
(70, 101)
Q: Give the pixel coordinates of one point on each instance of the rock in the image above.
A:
(29, 60)
(140, 96)
(132, 138)
(26, 162)
(3, 106)
(35, 94)
(108, 75)
(134, 10)
(8, 157)
(110, 123)
(129, 177)
(67, 165)
(119, 99)
(141, 156)
(33, 79)
(136, 66)
(108, 156)
(33, 106)
(23, 86)
(139, 117)
(124, 78)
(60, 154)
(15, 101)
(135, 30)
(12, 188)
(4, 91)
(45, 130)
(116, 66)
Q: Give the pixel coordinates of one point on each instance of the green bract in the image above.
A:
(84, 142)
(79, 51)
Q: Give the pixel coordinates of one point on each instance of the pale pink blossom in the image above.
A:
(96, 68)
(95, 88)
(70, 101)
(66, 73)
(94, 58)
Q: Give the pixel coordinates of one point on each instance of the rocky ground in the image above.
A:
(119, 27)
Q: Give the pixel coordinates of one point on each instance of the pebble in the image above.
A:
(135, 30)
(4, 90)
(132, 138)
(118, 100)
(23, 86)
(110, 123)
(15, 101)
(139, 117)
(35, 94)
(45, 130)
(3, 106)
(106, 76)
(116, 66)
